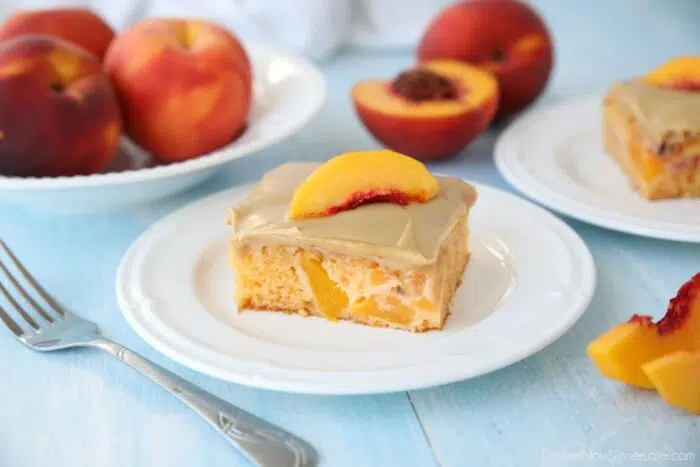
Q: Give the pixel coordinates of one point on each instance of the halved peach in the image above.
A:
(355, 178)
(676, 377)
(429, 112)
(621, 352)
(682, 73)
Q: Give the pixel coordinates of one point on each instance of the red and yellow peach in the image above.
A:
(79, 26)
(185, 86)
(505, 37)
(59, 114)
(430, 112)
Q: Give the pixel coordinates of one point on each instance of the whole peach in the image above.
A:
(59, 114)
(505, 37)
(185, 86)
(80, 26)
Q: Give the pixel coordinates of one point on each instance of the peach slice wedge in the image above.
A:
(676, 377)
(431, 111)
(681, 73)
(352, 179)
(621, 352)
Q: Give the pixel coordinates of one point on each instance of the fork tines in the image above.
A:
(23, 295)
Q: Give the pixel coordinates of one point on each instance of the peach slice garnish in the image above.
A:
(431, 111)
(356, 178)
(681, 73)
(620, 352)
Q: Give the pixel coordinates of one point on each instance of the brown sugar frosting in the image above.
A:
(662, 114)
(384, 232)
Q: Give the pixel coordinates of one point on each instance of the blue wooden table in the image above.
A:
(83, 409)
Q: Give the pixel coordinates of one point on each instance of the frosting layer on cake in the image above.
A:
(662, 114)
(384, 232)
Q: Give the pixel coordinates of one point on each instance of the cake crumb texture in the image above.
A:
(310, 282)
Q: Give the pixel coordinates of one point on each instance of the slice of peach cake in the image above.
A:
(371, 237)
(651, 128)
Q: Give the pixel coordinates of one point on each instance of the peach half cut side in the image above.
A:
(352, 179)
(429, 112)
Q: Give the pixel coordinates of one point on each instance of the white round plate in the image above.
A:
(555, 156)
(175, 288)
(288, 92)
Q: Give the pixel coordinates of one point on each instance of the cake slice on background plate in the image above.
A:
(652, 129)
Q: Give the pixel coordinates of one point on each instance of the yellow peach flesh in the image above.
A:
(676, 377)
(334, 183)
(677, 70)
(393, 311)
(374, 94)
(621, 352)
(330, 299)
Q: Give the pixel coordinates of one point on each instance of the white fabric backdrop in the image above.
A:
(314, 28)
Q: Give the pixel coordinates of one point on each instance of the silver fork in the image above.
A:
(51, 327)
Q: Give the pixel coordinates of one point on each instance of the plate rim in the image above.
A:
(210, 160)
(515, 174)
(584, 296)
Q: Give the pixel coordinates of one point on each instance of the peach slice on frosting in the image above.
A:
(353, 179)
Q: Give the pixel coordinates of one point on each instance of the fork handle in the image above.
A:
(263, 443)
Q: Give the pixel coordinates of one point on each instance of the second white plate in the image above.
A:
(175, 288)
(555, 156)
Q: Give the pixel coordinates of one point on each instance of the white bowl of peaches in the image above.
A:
(93, 121)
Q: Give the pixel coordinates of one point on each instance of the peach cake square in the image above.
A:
(388, 263)
(653, 133)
